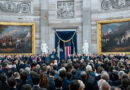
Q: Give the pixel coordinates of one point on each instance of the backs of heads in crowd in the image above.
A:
(52, 73)
(88, 68)
(103, 85)
(24, 75)
(74, 85)
(125, 82)
(105, 75)
(120, 74)
(73, 71)
(16, 75)
(62, 73)
(11, 82)
(58, 82)
(2, 77)
(114, 88)
(81, 85)
(128, 88)
(43, 68)
(43, 81)
(83, 75)
(35, 78)
(26, 87)
(69, 75)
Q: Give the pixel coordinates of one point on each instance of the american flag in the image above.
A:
(67, 49)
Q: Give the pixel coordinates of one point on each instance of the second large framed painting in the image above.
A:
(17, 38)
(113, 36)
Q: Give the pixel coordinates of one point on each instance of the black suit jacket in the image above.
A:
(12, 89)
(37, 88)
(58, 89)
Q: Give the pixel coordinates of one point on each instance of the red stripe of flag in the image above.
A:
(66, 51)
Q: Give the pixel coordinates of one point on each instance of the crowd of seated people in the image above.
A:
(95, 72)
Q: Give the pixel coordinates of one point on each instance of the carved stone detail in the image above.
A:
(15, 6)
(65, 9)
(114, 4)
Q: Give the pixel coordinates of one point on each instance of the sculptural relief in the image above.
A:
(25, 7)
(65, 9)
(15, 6)
(114, 4)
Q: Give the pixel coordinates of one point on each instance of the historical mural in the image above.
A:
(65, 9)
(115, 36)
(16, 38)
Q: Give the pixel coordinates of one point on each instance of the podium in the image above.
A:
(52, 58)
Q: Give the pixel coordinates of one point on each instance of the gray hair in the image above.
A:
(88, 68)
(82, 86)
(103, 83)
(83, 73)
(120, 74)
(21, 70)
(104, 75)
(27, 69)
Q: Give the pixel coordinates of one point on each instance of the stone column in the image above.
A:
(87, 22)
(44, 21)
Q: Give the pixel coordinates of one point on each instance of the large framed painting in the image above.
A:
(113, 36)
(17, 38)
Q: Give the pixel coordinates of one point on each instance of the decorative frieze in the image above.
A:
(15, 6)
(65, 9)
(114, 4)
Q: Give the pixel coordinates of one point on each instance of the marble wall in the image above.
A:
(65, 15)
(52, 15)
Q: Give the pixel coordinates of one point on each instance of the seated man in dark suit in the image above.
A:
(3, 84)
(74, 85)
(18, 80)
(58, 83)
(51, 82)
(23, 78)
(26, 87)
(35, 81)
(12, 83)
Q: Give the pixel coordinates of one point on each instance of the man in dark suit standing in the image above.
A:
(53, 56)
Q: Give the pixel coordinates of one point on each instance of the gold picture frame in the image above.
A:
(17, 38)
(113, 36)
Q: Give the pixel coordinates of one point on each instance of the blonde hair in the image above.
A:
(82, 86)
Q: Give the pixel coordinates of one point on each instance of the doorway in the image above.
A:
(65, 43)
